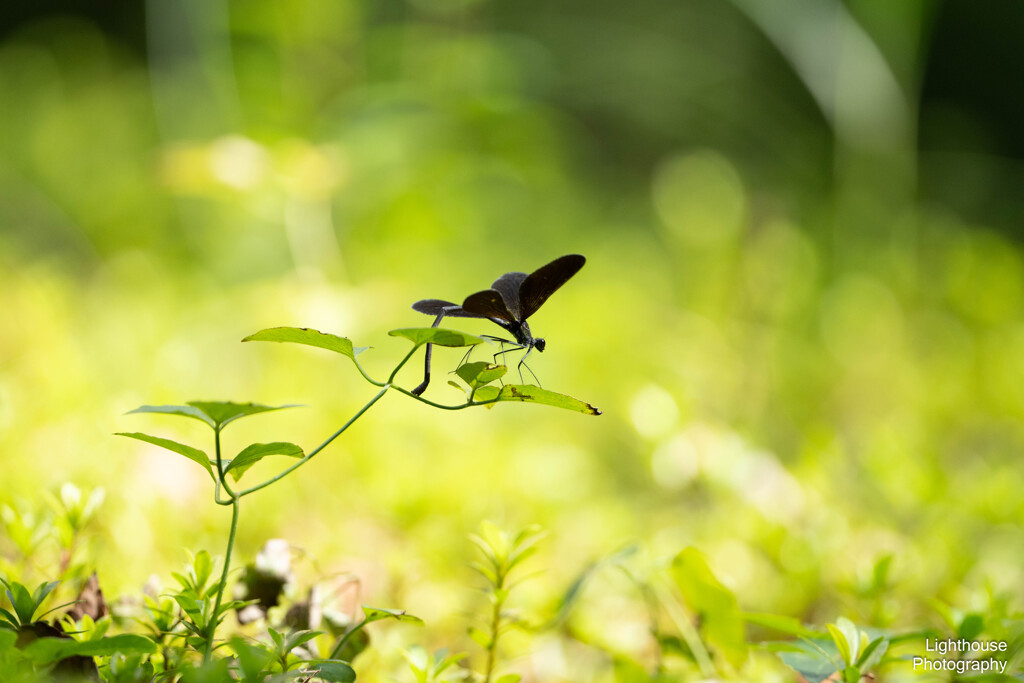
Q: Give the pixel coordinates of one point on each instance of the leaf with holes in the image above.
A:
(527, 393)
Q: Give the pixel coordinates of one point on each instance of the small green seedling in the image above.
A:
(200, 603)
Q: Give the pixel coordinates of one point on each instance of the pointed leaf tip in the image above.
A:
(183, 411)
(527, 393)
(193, 454)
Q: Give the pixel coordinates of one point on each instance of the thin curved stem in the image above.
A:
(216, 493)
(461, 406)
(362, 372)
(345, 638)
(223, 579)
(405, 360)
(309, 456)
(220, 466)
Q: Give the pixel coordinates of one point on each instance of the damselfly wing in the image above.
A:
(512, 299)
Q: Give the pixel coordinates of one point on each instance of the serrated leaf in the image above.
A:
(253, 453)
(528, 393)
(47, 650)
(193, 454)
(224, 412)
(184, 411)
(436, 335)
(308, 337)
(373, 614)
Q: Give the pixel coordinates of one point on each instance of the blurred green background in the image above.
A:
(801, 311)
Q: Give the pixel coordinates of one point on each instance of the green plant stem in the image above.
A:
(492, 646)
(345, 638)
(405, 360)
(309, 456)
(221, 479)
(688, 632)
(460, 406)
(223, 576)
(216, 494)
(366, 376)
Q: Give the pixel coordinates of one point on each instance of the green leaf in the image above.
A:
(852, 635)
(47, 650)
(479, 374)
(811, 659)
(373, 614)
(202, 565)
(9, 620)
(304, 335)
(225, 412)
(193, 454)
(297, 638)
(528, 393)
(873, 653)
(21, 600)
(277, 638)
(479, 637)
(842, 644)
(253, 453)
(333, 671)
(252, 658)
(42, 591)
(354, 646)
(436, 335)
(185, 411)
(971, 626)
(721, 621)
(509, 678)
